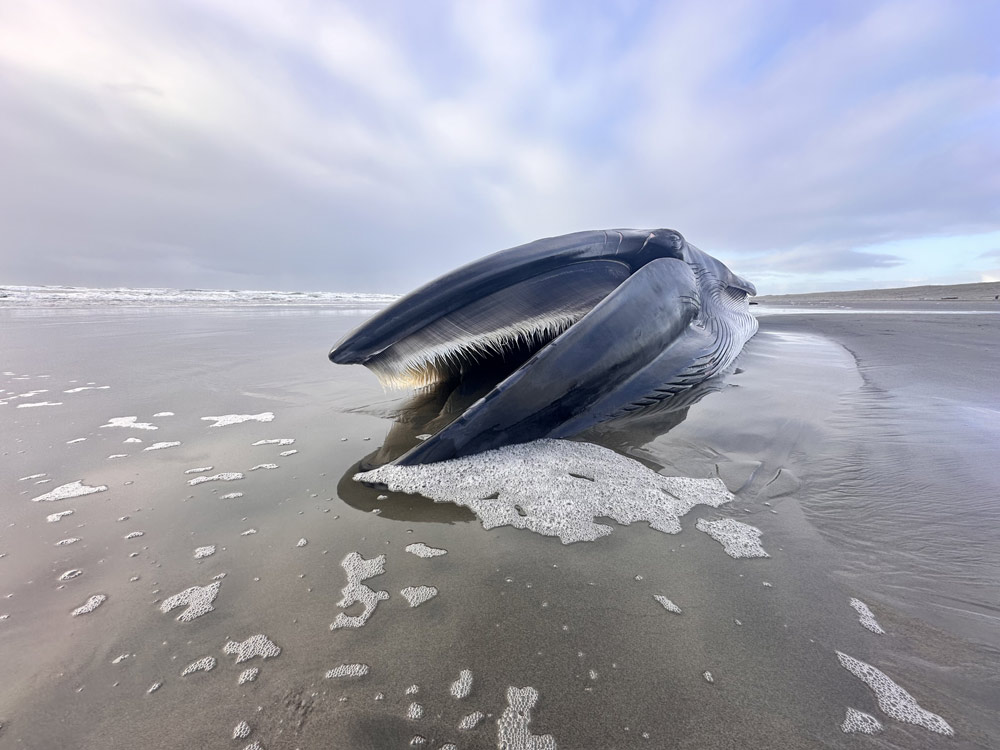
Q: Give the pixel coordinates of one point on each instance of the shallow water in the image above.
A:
(854, 495)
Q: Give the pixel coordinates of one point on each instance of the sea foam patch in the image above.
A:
(90, 605)
(197, 599)
(738, 539)
(129, 422)
(67, 491)
(667, 604)
(417, 595)
(226, 476)
(891, 698)
(161, 446)
(555, 488)
(205, 664)
(422, 550)
(256, 645)
(230, 419)
(866, 617)
(348, 670)
(858, 722)
(359, 569)
(512, 727)
(461, 687)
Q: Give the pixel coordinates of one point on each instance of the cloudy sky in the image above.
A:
(365, 146)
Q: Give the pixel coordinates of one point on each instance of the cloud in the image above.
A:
(342, 146)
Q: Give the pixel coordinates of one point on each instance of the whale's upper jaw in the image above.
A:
(605, 320)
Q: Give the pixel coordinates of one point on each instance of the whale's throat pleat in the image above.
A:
(520, 318)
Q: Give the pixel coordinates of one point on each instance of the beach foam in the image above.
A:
(422, 550)
(161, 446)
(359, 569)
(226, 476)
(512, 726)
(256, 645)
(858, 722)
(90, 605)
(230, 419)
(275, 441)
(67, 491)
(248, 675)
(263, 466)
(54, 517)
(348, 670)
(198, 470)
(667, 604)
(198, 600)
(417, 595)
(740, 540)
(471, 721)
(206, 551)
(461, 687)
(414, 711)
(205, 664)
(129, 422)
(241, 731)
(555, 488)
(866, 617)
(892, 699)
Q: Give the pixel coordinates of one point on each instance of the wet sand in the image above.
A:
(858, 445)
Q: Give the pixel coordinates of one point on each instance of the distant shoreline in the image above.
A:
(980, 292)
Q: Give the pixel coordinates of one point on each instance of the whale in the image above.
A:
(586, 328)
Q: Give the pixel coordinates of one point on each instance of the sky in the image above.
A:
(361, 146)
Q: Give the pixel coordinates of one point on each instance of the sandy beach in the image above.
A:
(860, 445)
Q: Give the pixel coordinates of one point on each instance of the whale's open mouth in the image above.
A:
(445, 350)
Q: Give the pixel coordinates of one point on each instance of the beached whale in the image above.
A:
(597, 323)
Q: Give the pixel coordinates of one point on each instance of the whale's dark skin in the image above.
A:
(611, 322)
